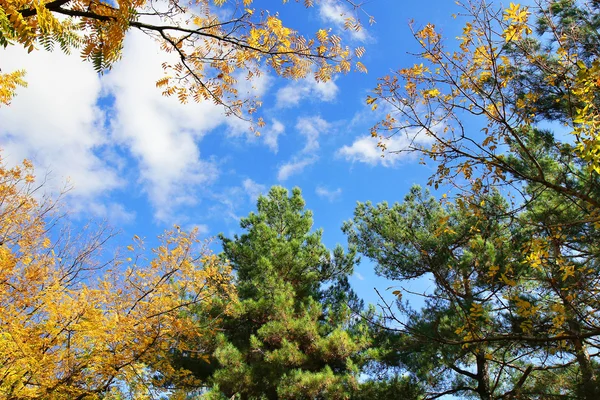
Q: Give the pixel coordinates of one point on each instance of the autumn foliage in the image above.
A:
(217, 43)
(509, 249)
(77, 325)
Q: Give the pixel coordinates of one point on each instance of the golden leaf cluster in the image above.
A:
(8, 84)
(74, 324)
(217, 43)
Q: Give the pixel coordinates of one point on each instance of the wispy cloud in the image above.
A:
(253, 189)
(271, 134)
(294, 167)
(336, 13)
(328, 194)
(115, 213)
(308, 88)
(202, 229)
(364, 149)
(311, 128)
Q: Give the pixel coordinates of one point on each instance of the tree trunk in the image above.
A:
(589, 388)
(483, 376)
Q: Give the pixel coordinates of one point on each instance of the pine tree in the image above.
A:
(293, 334)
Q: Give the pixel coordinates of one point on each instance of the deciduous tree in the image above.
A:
(74, 325)
(217, 42)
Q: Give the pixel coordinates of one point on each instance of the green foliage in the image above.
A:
(393, 388)
(514, 307)
(292, 335)
(469, 254)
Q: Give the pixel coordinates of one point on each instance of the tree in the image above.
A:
(218, 42)
(570, 25)
(75, 325)
(482, 105)
(482, 79)
(292, 334)
(470, 254)
(563, 254)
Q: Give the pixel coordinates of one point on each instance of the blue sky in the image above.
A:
(145, 162)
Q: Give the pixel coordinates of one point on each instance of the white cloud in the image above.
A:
(256, 86)
(114, 213)
(253, 189)
(226, 204)
(359, 276)
(332, 11)
(335, 12)
(307, 88)
(202, 229)
(271, 134)
(289, 96)
(57, 124)
(311, 128)
(328, 194)
(294, 167)
(161, 133)
(364, 149)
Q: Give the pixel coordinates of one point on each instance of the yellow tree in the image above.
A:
(74, 325)
(217, 42)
